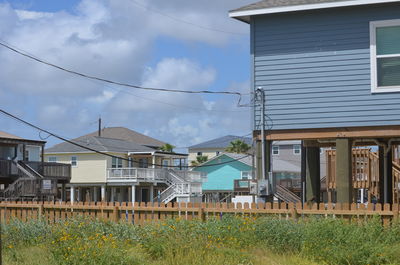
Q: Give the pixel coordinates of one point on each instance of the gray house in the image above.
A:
(328, 73)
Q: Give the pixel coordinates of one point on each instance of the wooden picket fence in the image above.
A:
(142, 213)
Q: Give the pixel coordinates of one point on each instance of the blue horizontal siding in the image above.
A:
(315, 69)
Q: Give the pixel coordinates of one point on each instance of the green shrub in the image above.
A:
(232, 240)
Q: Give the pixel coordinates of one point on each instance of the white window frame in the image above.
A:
(76, 161)
(272, 151)
(294, 149)
(52, 158)
(373, 25)
(247, 173)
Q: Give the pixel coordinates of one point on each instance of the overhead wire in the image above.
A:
(100, 152)
(32, 57)
(185, 21)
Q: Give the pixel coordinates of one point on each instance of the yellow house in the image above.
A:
(125, 166)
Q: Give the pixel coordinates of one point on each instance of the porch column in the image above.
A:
(23, 152)
(313, 180)
(112, 194)
(72, 194)
(133, 193)
(151, 193)
(42, 151)
(63, 193)
(385, 175)
(95, 194)
(103, 193)
(344, 178)
(154, 161)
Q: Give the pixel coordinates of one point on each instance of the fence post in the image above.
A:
(395, 210)
(40, 211)
(293, 211)
(201, 213)
(116, 214)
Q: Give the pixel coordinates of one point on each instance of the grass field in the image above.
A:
(233, 240)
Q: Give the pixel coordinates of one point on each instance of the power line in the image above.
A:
(145, 98)
(100, 152)
(185, 21)
(18, 51)
(175, 105)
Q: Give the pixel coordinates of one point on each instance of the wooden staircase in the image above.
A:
(285, 195)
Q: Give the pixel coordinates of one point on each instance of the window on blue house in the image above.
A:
(385, 55)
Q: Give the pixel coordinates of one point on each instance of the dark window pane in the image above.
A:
(388, 40)
(388, 71)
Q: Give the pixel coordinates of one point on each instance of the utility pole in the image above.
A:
(99, 133)
(260, 91)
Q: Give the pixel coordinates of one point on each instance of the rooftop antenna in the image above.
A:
(99, 127)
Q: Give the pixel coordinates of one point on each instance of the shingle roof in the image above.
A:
(100, 144)
(126, 134)
(9, 136)
(278, 6)
(281, 3)
(284, 166)
(221, 142)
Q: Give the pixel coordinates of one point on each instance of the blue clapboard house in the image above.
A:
(227, 175)
(327, 73)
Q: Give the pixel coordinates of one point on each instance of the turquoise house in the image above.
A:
(222, 170)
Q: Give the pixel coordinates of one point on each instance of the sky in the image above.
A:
(174, 44)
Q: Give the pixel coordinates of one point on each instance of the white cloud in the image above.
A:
(115, 40)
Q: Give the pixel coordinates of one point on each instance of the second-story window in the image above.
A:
(116, 162)
(385, 55)
(199, 153)
(52, 159)
(143, 163)
(275, 150)
(296, 149)
(74, 161)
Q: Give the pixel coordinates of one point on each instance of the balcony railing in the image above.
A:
(242, 185)
(136, 174)
(154, 175)
(49, 170)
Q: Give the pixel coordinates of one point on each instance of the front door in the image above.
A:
(145, 195)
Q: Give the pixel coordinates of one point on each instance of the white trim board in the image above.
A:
(273, 10)
(373, 25)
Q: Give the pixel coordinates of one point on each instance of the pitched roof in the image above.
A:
(281, 3)
(9, 136)
(243, 158)
(222, 142)
(101, 144)
(284, 166)
(279, 6)
(278, 164)
(126, 134)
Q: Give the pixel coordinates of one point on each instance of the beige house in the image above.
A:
(128, 167)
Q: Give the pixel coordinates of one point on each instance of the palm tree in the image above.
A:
(199, 160)
(238, 147)
(167, 148)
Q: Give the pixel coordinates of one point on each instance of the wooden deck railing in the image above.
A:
(141, 213)
(365, 167)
